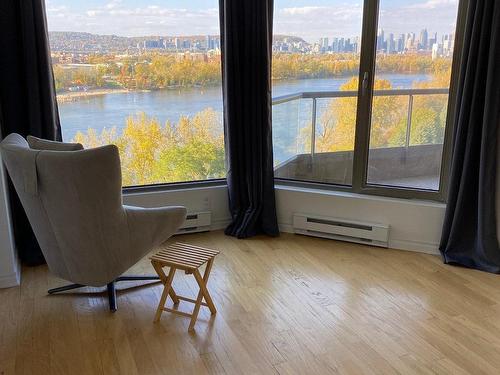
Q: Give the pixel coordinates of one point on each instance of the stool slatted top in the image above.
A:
(188, 258)
(184, 256)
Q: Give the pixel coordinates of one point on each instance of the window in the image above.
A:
(361, 93)
(316, 58)
(412, 78)
(144, 76)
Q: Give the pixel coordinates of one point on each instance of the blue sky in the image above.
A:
(310, 19)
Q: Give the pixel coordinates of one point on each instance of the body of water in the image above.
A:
(111, 110)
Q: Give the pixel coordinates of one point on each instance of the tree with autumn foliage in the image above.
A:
(150, 153)
(153, 71)
(335, 128)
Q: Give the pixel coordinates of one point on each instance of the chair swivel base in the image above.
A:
(110, 287)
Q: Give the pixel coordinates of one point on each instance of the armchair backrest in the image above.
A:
(73, 200)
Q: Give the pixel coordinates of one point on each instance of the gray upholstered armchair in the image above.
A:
(73, 200)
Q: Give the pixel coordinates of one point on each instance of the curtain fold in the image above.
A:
(27, 95)
(470, 235)
(246, 40)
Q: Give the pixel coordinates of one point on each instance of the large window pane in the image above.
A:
(413, 66)
(146, 77)
(316, 48)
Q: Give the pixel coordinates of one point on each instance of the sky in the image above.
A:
(309, 19)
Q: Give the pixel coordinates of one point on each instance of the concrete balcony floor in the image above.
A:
(415, 167)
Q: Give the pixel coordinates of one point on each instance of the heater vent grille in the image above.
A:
(341, 229)
(339, 223)
(196, 222)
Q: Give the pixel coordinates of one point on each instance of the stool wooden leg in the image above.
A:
(206, 294)
(202, 283)
(159, 270)
(164, 295)
(197, 305)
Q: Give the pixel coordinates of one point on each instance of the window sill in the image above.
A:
(358, 196)
(334, 191)
(159, 188)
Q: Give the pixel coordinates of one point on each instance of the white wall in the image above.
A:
(414, 225)
(9, 266)
(212, 199)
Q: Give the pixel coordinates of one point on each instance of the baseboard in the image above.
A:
(286, 228)
(10, 280)
(407, 245)
(13, 278)
(220, 224)
(417, 246)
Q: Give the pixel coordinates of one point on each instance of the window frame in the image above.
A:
(363, 118)
(361, 144)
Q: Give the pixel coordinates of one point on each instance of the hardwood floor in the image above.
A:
(287, 305)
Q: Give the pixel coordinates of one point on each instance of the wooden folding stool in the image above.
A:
(188, 258)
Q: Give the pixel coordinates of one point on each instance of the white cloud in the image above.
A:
(435, 15)
(310, 22)
(433, 4)
(344, 20)
(113, 4)
(92, 13)
(115, 18)
(301, 10)
(55, 10)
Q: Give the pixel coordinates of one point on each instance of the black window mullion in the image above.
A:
(365, 93)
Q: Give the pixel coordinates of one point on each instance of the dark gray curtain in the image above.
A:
(27, 95)
(246, 39)
(469, 234)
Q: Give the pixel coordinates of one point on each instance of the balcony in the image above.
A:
(406, 141)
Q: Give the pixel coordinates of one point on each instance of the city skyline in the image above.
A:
(409, 42)
(201, 17)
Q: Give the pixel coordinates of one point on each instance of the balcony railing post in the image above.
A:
(408, 120)
(313, 128)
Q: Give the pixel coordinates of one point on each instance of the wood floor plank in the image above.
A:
(286, 305)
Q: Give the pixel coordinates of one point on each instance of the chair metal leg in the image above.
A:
(138, 278)
(112, 296)
(111, 288)
(65, 288)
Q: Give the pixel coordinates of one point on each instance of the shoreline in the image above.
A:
(77, 95)
(65, 97)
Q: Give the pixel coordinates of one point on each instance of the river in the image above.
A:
(111, 110)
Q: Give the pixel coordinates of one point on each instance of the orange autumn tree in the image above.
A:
(335, 127)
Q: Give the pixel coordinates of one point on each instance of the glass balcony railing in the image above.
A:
(313, 135)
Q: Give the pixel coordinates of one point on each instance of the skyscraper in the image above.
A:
(424, 39)
(437, 50)
(391, 44)
(401, 43)
(335, 45)
(380, 40)
(178, 43)
(323, 44)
